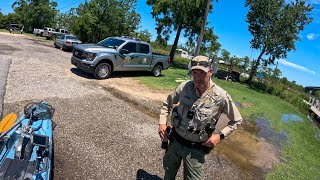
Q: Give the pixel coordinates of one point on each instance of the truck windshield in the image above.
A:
(111, 42)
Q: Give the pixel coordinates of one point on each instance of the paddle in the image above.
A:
(7, 122)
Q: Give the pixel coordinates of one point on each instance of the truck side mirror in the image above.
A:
(124, 51)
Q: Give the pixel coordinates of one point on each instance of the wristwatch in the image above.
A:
(221, 135)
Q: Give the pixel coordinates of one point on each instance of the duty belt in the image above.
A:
(185, 142)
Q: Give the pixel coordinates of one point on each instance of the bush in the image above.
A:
(282, 91)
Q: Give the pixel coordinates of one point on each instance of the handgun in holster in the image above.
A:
(209, 129)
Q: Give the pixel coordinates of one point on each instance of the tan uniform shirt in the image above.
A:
(186, 95)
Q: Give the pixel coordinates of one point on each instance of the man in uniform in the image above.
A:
(199, 105)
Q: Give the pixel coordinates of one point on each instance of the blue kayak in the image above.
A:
(26, 149)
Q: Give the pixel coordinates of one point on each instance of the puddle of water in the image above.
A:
(261, 128)
(290, 118)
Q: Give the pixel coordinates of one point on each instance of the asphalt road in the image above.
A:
(97, 135)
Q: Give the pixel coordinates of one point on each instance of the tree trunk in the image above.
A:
(175, 43)
(255, 66)
(203, 27)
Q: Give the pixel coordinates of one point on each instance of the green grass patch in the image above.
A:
(3, 30)
(299, 155)
(168, 79)
(41, 39)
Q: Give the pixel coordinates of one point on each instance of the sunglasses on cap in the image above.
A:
(200, 63)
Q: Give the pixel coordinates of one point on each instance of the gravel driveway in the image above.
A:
(98, 135)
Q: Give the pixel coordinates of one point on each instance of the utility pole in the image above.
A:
(203, 27)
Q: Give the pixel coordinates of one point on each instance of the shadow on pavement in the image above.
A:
(121, 74)
(80, 73)
(143, 175)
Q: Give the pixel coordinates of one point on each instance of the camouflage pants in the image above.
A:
(193, 162)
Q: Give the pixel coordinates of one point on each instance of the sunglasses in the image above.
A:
(201, 63)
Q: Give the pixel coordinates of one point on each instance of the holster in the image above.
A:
(206, 149)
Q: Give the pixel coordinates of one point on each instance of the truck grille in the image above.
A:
(78, 54)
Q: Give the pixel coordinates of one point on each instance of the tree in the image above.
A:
(177, 15)
(210, 46)
(144, 35)
(317, 94)
(225, 55)
(66, 20)
(276, 73)
(98, 19)
(275, 26)
(245, 64)
(35, 13)
(2, 20)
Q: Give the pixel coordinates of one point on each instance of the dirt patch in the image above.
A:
(5, 49)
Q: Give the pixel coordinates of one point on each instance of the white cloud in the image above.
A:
(312, 36)
(295, 66)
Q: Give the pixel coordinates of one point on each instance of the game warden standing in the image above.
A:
(200, 103)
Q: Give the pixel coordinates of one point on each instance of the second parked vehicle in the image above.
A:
(66, 42)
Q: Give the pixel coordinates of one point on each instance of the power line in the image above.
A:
(70, 4)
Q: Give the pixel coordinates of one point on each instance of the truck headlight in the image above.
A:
(90, 56)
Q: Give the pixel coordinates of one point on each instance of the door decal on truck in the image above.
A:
(127, 60)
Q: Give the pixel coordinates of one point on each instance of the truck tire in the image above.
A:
(102, 71)
(53, 37)
(63, 48)
(157, 71)
(48, 38)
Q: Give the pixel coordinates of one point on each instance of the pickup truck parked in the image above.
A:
(52, 34)
(38, 32)
(118, 54)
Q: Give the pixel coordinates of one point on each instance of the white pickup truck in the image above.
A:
(52, 34)
(38, 32)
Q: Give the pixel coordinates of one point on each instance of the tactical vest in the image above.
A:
(202, 115)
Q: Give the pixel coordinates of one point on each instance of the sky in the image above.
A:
(228, 20)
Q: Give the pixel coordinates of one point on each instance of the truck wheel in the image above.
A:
(48, 38)
(157, 71)
(55, 45)
(63, 48)
(53, 37)
(102, 71)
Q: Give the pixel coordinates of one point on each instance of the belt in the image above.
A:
(185, 142)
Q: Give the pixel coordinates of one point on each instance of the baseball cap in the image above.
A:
(200, 62)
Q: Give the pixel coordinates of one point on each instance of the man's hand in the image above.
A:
(162, 130)
(212, 141)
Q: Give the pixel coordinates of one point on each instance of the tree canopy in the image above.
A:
(175, 15)
(35, 13)
(275, 27)
(98, 19)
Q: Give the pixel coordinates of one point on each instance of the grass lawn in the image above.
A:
(300, 157)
